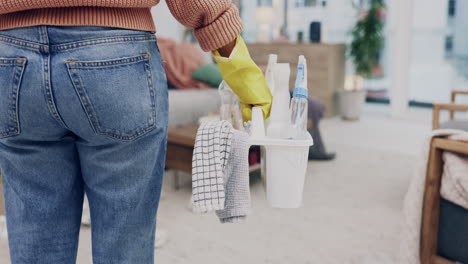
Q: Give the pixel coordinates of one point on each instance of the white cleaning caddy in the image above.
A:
(286, 145)
(286, 164)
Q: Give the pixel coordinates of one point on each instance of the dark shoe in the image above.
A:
(322, 156)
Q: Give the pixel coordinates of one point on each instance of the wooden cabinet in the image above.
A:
(326, 67)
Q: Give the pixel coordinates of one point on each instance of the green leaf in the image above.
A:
(368, 40)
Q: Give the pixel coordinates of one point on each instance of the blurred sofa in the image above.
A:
(187, 106)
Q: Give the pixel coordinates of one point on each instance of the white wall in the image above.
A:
(249, 20)
(430, 74)
(339, 19)
(299, 19)
(166, 25)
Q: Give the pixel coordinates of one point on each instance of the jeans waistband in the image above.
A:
(59, 38)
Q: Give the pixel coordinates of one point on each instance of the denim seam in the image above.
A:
(151, 88)
(118, 39)
(138, 133)
(21, 43)
(107, 63)
(69, 46)
(47, 83)
(91, 114)
(13, 97)
(16, 61)
(44, 38)
(49, 96)
(15, 94)
(13, 63)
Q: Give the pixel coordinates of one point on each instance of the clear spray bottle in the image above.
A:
(299, 102)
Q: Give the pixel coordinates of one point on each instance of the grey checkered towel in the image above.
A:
(236, 178)
(220, 176)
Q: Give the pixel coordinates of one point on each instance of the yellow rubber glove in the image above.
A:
(246, 80)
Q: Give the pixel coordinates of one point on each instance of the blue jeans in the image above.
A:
(82, 110)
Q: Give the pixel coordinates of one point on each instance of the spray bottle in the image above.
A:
(270, 77)
(299, 103)
(269, 73)
(230, 106)
(279, 117)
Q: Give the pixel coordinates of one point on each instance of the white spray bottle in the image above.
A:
(269, 73)
(299, 103)
(270, 77)
(279, 117)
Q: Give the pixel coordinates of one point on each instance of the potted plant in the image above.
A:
(364, 51)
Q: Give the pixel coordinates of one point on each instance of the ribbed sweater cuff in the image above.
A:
(131, 18)
(221, 32)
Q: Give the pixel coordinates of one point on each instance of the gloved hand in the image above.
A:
(246, 80)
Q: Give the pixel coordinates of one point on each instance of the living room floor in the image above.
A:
(352, 205)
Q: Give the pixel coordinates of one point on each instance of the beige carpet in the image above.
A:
(352, 205)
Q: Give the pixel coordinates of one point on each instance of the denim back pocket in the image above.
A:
(11, 74)
(117, 95)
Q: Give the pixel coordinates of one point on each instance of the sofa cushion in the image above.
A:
(455, 124)
(187, 106)
(209, 74)
(453, 232)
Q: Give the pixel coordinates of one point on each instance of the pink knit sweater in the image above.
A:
(216, 22)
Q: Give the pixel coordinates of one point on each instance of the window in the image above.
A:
(449, 44)
(363, 4)
(310, 3)
(306, 3)
(264, 3)
(452, 7)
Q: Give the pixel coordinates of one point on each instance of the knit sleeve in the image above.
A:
(216, 22)
(10, 6)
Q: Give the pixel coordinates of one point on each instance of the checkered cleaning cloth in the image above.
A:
(220, 172)
(210, 156)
